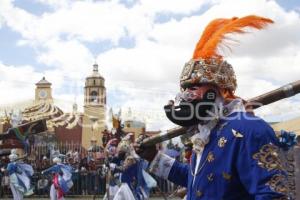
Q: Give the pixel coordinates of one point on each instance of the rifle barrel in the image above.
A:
(276, 95)
(256, 102)
(4, 152)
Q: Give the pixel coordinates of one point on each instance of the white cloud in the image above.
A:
(148, 73)
(66, 102)
(17, 19)
(86, 21)
(17, 86)
(147, 105)
(1, 22)
(72, 58)
(172, 6)
(149, 63)
(280, 111)
(17, 83)
(55, 3)
(92, 21)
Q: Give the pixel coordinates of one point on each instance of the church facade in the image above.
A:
(73, 127)
(94, 108)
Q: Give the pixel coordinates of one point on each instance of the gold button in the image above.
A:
(199, 193)
(210, 157)
(210, 177)
(222, 141)
(226, 176)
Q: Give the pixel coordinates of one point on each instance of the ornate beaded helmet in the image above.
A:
(207, 64)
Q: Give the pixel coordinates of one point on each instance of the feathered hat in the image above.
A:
(207, 64)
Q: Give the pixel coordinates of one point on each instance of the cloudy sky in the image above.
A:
(141, 47)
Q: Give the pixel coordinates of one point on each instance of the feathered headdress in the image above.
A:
(207, 64)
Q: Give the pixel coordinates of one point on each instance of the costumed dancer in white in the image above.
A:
(19, 176)
(62, 179)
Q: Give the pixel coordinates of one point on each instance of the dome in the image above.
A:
(43, 81)
(44, 110)
(54, 115)
(95, 73)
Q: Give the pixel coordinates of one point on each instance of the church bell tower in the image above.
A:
(94, 108)
(94, 90)
(43, 91)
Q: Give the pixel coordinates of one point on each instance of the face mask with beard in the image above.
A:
(193, 106)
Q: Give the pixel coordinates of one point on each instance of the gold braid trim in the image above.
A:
(282, 198)
(278, 183)
(268, 157)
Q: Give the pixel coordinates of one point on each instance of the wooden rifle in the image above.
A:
(253, 103)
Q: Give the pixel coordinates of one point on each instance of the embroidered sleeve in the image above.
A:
(259, 166)
(268, 157)
(161, 165)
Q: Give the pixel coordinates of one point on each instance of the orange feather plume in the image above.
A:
(210, 29)
(235, 25)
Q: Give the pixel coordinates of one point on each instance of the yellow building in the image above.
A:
(73, 127)
(94, 109)
(135, 127)
(290, 125)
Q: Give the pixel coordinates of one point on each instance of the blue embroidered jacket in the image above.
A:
(239, 163)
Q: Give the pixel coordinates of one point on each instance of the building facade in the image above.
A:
(94, 108)
(73, 127)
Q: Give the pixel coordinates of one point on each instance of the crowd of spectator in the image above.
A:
(88, 174)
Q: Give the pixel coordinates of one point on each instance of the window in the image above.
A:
(94, 97)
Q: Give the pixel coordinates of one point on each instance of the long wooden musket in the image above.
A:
(253, 103)
(4, 152)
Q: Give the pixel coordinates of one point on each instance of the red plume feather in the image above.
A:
(236, 25)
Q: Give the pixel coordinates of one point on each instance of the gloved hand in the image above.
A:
(147, 153)
(286, 139)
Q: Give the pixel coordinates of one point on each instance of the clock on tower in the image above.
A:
(43, 94)
(43, 90)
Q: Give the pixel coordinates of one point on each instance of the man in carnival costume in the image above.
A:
(234, 152)
(62, 179)
(19, 176)
(134, 181)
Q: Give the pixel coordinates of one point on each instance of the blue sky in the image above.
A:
(289, 4)
(139, 45)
